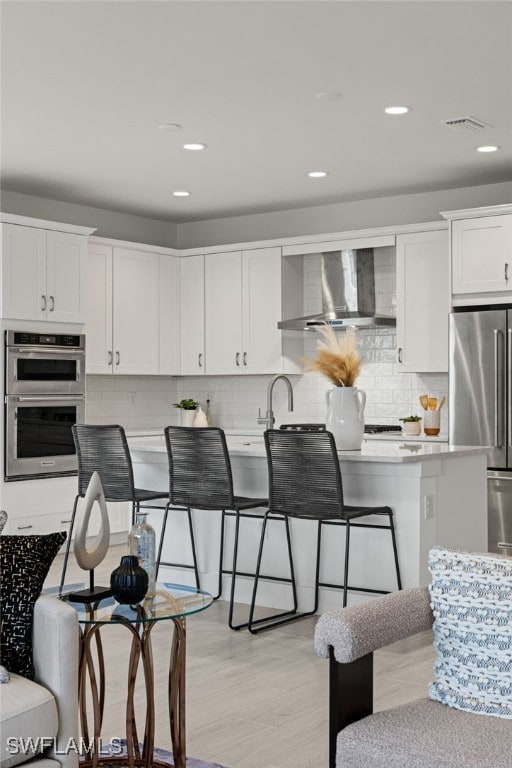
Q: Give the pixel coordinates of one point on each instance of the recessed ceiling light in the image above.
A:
(328, 96)
(181, 193)
(170, 127)
(396, 110)
(317, 174)
(487, 148)
(195, 146)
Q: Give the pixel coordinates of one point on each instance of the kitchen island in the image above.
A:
(438, 494)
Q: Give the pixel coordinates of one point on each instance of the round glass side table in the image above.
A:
(172, 602)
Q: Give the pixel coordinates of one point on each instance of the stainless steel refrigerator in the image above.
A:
(480, 400)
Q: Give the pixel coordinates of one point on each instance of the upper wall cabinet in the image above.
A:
(422, 301)
(192, 315)
(43, 273)
(243, 304)
(133, 311)
(481, 250)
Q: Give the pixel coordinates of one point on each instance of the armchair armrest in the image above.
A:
(360, 629)
(55, 640)
(349, 636)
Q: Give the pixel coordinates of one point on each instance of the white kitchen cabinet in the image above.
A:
(192, 316)
(98, 327)
(422, 301)
(169, 315)
(223, 313)
(482, 254)
(43, 274)
(242, 308)
(133, 311)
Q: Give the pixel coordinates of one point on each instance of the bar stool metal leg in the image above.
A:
(345, 571)
(193, 545)
(194, 565)
(161, 542)
(233, 577)
(279, 618)
(68, 544)
(395, 551)
(221, 555)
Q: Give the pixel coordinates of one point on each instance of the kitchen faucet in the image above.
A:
(268, 420)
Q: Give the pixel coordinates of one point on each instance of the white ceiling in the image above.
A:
(85, 86)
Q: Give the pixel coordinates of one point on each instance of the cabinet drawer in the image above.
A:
(39, 524)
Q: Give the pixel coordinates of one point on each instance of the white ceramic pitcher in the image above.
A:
(345, 417)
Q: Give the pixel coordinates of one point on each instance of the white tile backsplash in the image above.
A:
(146, 402)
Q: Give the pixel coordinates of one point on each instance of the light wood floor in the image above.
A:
(252, 701)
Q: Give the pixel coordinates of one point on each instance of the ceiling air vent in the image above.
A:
(466, 124)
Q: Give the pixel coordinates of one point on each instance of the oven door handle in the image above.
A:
(49, 398)
(67, 352)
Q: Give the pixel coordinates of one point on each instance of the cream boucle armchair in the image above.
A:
(46, 707)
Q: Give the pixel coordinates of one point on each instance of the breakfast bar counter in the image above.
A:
(438, 493)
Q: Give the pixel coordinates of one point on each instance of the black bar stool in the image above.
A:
(104, 449)
(305, 482)
(200, 478)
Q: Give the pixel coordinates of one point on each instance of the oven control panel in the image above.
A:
(42, 339)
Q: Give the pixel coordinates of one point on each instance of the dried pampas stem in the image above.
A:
(337, 357)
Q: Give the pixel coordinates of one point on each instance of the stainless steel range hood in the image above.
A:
(348, 294)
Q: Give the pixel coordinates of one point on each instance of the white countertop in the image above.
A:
(393, 436)
(395, 451)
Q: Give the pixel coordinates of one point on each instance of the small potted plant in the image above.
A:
(187, 406)
(411, 425)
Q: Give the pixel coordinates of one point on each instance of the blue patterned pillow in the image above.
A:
(471, 598)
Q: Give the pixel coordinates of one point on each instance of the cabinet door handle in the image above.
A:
(237, 358)
(109, 357)
(65, 522)
(24, 527)
(200, 359)
(245, 358)
(506, 271)
(118, 358)
(53, 303)
(400, 354)
(43, 303)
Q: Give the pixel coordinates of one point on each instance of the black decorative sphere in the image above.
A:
(129, 581)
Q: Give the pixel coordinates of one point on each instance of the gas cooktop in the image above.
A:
(375, 429)
(370, 429)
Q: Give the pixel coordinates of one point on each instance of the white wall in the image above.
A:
(135, 402)
(121, 226)
(361, 214)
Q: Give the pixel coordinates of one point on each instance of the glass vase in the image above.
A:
(142, 544)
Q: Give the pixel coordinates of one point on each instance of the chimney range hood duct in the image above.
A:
(348, 294)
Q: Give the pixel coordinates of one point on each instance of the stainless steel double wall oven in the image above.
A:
(44, 397)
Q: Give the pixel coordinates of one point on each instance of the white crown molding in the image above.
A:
(476, 213)
(56, 226)
(400, 229)
(134, 246)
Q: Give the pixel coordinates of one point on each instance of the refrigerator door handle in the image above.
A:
(509, 391)
(497, 436)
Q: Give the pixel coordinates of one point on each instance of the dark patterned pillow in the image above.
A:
(25, 562)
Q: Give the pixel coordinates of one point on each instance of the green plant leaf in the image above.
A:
(187, 404)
